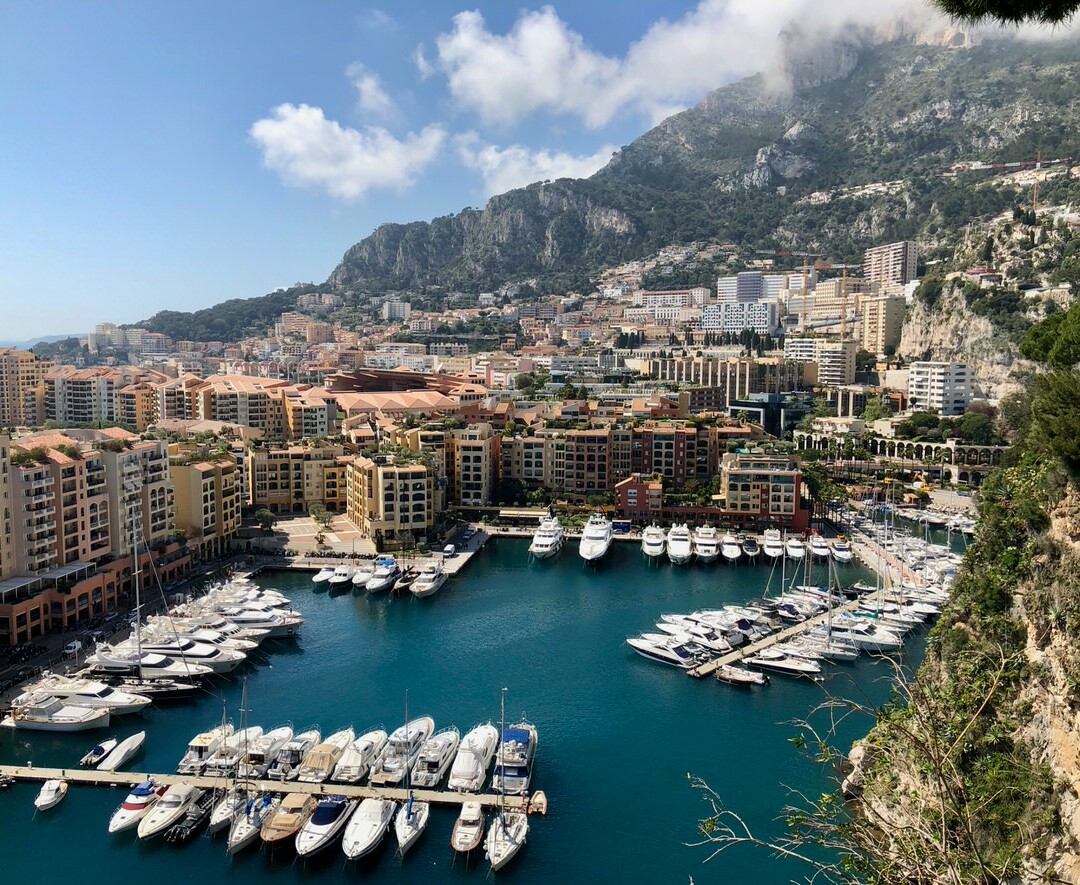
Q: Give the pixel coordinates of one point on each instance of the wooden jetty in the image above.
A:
(129, 779)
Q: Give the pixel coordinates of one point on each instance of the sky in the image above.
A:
(173, 155)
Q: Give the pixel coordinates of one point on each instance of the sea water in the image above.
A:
(618, 734)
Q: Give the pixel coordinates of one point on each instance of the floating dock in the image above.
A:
(129, 779)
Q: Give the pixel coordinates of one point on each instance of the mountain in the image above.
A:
(847, 144)
(30, 342)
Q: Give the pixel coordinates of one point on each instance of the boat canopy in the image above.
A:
(144, 789)
(328, 811)
(516, 735)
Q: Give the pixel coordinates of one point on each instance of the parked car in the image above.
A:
(72, 648)
(449, 550)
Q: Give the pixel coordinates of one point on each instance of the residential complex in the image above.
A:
(944, 388)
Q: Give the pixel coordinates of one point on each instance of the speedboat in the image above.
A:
(430, 579)
(99, 752)
(514, 760)
(188, 826)
(548, 538)
(410, 821)
(386, 573)
(262, 751)
(819, 547)
(474, 755)
(88, 693)
(287, 762)
(402, 748)
(363, 573)
(795, 548)
(751, 549)
(505, 837)
(773, 544)
(680, 545)
(734, 675)
(468, 828)
(408, 577)
(122, 752)
(323, 575)
(367, 827)
(729, 547)
(706, 545)
(841, 551)
(435, 758)
(343, 574)
(286, 822)
(247, 825)
(168, 809)
(202, 747)
(674, 652)
(322, 758)
(596, 538)
(653, 541)
(138, 802)
(359, 757)
(43, 712)
(780, 661)
(225, 759)
(325, 823)
(52, 793)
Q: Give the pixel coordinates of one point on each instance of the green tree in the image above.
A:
(876, 409)
(265, 519)
(1009, 12)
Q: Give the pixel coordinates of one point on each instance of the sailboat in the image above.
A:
(509, 828)
(412, 817)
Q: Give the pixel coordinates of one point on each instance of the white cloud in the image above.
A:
(516, 166)
(425, 67)
(542, 64)
(307, 150)
(372, 97)
(378, 19)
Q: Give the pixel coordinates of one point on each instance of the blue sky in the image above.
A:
(172, 155)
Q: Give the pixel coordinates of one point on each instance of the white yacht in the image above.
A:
(52, 793)
(246, 826)
(211, 620)
(653, 541)
(680, 546)
(795, 548)
(402, 748)
(468, 831)
(596, 538)
(673, 652)
(366, 827)
(168, 809)
(865, 634)
(43, 712)
(320, 761)
(99, 752)
(364, 571)
(841, 551)
(431, 578)
(87, 693)
(325, 823)
(730, 548)
(323, 575)
(122, 752)
(773, 544)
(290, 757)
(224, 760)
(514, 759)
(435, 758)
(751, 549)
(360, 757)
(135, 806)
(706, 547)
(505, 837)
(228, 808)
(261, 752)
(547, 539)
(410, 821)
(474, 755)
(202, 747)
(118, 660)
(384, 576)
(780, 661)
(181, 648)
(819, 547)
(278, 624)
(342, 575)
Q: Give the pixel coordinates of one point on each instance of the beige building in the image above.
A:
(207, 494)
(7, 524)
(893, 263)
(391, 496)
(137, 405)
(21, 373)
(289, 479)
(471, 463)
(882, 322)
(836, 362)
(88, 396)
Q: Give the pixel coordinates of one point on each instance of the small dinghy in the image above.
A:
(122, 752)
(537, 803)
(52, 794)
(98, 753)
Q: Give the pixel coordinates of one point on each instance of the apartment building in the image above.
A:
(207, 496)
(87, 396)
(242, 399)
(471, 463)
(7, 517)
(21, 373)
(944, 388)
(177, 399)
(137, 483)
(391, 496)
(882, 322)
(289, 479)
(586, 468)
(835, 359)
(137, 405)
(892, 263)
(763, 491)
(678, 452)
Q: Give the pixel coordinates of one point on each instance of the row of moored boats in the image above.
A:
(383, 575)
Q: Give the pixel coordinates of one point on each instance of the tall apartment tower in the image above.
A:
(894, 263)
(20, 374)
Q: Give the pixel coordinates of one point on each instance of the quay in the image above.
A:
(129, 779)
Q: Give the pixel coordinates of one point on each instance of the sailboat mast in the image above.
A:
(136, 571)
(502, 754)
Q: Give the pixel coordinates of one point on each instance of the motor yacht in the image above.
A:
(595, 538)
(359, 757)
(323, 575)
(122, 752)
(435, 758)
(295, 811)
(706, 543)
(211, 620)
(431, 578)
(87, 693)
(322, 758)
(864, 633)
(385, 575)
(402, 748)
(410, 821)
(168, 809)
(342, 575)
(43, 712)
(505, 837)
(197, 814)
(730, 548)
(474, 755)
(290, 757)
(547, 540)
(773, 544)
(780, 661)
(123, 660)
(323, 826)
(673, 653)
(708, 637)
(514, 758)
(468, 831)
(247, 825)
(795, 548)
(180, 648)
(819, 548)
(135, 806)
(653, 541)
(100, 751)
(225, 759)
(202, 747)
(262, 751)
(367, 827)
(680, 544)
(735, 675)
(363, 573)
(278, 625)
(51, 794)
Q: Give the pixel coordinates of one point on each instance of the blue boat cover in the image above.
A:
(519, 735)
(144, 789)
(328, 810)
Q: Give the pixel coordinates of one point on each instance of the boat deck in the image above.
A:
(131, 778)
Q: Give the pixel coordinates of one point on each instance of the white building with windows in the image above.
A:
(944, 388)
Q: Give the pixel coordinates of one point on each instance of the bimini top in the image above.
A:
(144, 789)
(516, 736)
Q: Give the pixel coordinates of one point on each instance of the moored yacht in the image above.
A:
(325, 823)
(216, 658)
(673, 652)
(403, 746)
(505, 837)
(431, 578)
(322, 758)
(781, 662)
(653, 541)
(86, 693)
(261, 752)
(595, 538)
(119, 661)
(680, 545)
(224, 760)
(135, 806)
(706, 545)
(323, 575)
(819, 547)
(751, 549)
(795, 548)
(468, 831)
(43, 712)
(474, 755)
(342, 575)
(202, 747)
(514, 758)
(168, 809)
(729, 548)
(52, 793)
(359, 757)
(773, 544)
(367, 827)
(122, 752)
(841, 551)
(385, 575)
(365, 570)
(547, 540)
(292, 814)
(287, 762)
(435, 758)
(247, 825)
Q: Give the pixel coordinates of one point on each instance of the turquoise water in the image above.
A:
(618, 734)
